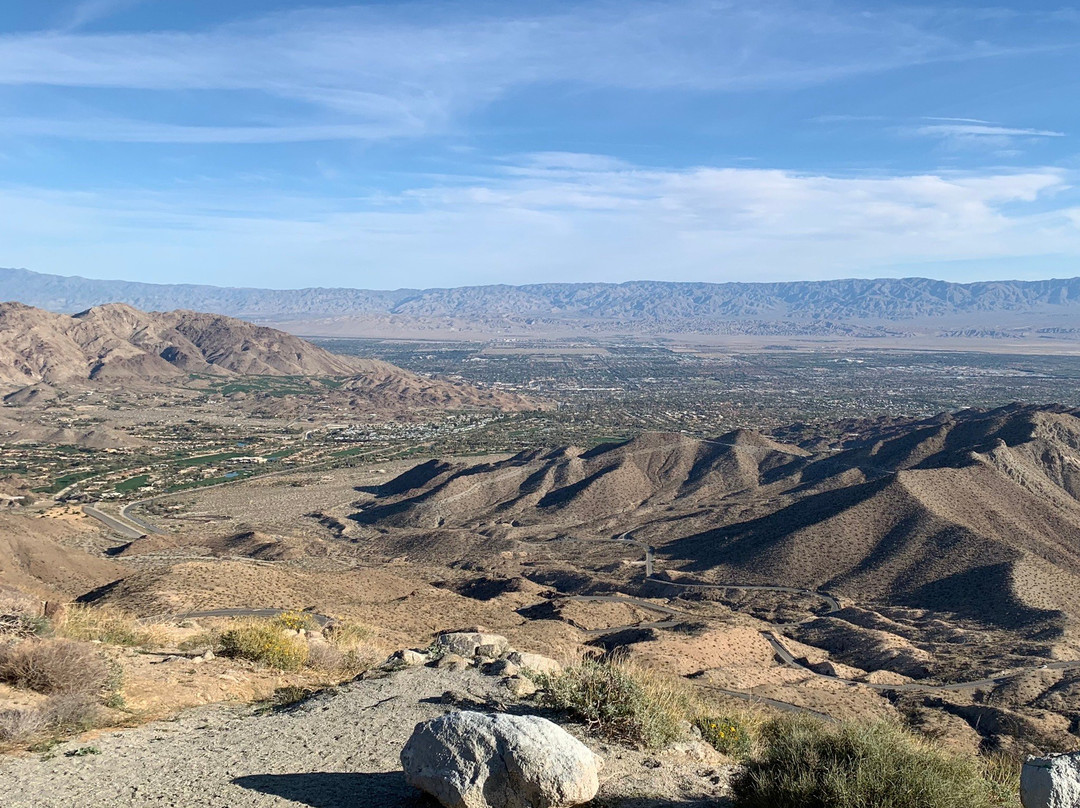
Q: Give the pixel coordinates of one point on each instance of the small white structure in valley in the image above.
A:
(1051, 782)
(476, 760)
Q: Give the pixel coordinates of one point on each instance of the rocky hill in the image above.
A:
(116, 344)
(855, 307)
(976, 513)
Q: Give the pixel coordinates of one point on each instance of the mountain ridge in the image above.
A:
(975, 513)
(855, 307)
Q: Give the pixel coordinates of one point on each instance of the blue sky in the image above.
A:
(389, 144)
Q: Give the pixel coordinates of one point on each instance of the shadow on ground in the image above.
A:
(656, 802)
(339, 789)
(389, 790)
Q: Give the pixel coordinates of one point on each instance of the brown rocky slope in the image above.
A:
(974, 513)
(116, 344)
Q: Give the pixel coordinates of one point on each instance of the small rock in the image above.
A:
(501, 667)
(535, 662)
(207, 656)
(410, 657)
(1051, 782)
(520, 686)
(466, 643)
(473, 760)
(455, 697)
(453, 662)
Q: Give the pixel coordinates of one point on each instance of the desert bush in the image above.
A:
(1002, 772)
(209, 639)
(72, 711)
(54, 666)
(24, 625)
(808, 763)
(18, 726)
(290, 695)
(728, 734)
(294, 621)
(12, 601)
(108, 625)
(60, 714)
(621, 700)
(347, 635)
(325, 657)
(264, 642)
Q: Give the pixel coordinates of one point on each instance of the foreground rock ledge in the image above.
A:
(1051, 782)
(474, 760)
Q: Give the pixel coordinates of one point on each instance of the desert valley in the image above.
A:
(578, 404)
(174, 482)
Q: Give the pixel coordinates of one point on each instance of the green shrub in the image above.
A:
(808, 764)
(620, 700)
(727, 734)
(265, 643)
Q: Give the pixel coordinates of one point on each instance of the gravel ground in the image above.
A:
(337, 750)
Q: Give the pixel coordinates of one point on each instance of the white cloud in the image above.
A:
(88, 11)
(540, 220)
(411, 68)
(982, 129)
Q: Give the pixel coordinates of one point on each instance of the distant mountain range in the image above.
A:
(1048, 309)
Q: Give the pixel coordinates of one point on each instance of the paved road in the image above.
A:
(830, 601)
(320, 619)
(675, 618)
(784, 706)
(125, 530)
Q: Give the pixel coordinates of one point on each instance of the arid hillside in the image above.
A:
(975, 513)
(117, 345)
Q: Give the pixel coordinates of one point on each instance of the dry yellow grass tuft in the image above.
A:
(109, 625)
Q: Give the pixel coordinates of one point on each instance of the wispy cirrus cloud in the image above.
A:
(981, 129)
(411, 68)
(88, 11)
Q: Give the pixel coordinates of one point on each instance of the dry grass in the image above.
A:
(54, 666)
(109, 625)
(16, 603)
(19, 726)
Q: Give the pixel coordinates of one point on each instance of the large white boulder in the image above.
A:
(466, 643)
(1051, 782)
(475, 760)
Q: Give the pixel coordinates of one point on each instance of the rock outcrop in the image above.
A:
(475, 760)
(1051, 782)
